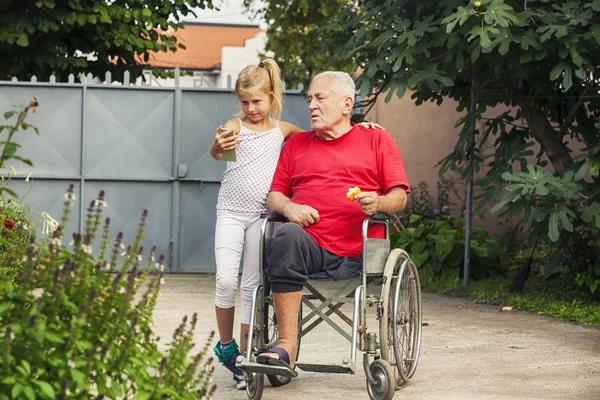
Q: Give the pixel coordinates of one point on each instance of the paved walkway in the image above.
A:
(469, 352)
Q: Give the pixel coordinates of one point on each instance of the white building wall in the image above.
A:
(234, 59)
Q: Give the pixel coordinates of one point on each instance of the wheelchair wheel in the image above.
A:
(387, 331)
(383, 386)
(407, 324)
(272, 335)
(255, 384)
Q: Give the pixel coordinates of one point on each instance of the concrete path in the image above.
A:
(469, 352)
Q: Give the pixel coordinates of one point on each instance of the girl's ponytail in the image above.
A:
(276, 86)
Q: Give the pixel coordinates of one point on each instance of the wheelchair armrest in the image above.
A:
(380, 217)
(272, 216)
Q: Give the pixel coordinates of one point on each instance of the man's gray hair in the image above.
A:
(341, 82)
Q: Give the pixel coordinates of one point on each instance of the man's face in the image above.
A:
(325, 105)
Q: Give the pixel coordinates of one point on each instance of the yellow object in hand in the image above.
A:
(352, 192)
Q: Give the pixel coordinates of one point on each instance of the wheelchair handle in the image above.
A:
(272, 215)
(381, 217)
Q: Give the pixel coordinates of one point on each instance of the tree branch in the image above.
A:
(434, 58)
(572, 114)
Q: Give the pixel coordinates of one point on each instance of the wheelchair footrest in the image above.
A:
(347, 367)
(247, 366)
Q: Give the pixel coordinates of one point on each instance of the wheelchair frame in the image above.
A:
(388, 362)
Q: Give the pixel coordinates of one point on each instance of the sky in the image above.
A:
(232, 12)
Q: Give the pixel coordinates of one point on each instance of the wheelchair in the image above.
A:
(389, 359)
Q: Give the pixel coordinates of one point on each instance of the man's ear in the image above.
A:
(348, 105)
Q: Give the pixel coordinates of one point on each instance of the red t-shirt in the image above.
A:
(319, 173)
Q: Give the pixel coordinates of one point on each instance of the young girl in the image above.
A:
(257, 138)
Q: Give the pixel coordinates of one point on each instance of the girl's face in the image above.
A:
(256, 104)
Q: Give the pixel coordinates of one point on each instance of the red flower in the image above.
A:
(8, 224)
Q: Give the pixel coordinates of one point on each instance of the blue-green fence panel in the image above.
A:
(146, 147)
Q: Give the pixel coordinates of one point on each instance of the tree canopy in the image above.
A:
(538, 58)
(60, 37)
(294, 39)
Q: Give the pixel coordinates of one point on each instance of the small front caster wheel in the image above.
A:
(255, 382)
(383, 385)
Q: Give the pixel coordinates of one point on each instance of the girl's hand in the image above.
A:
(370, 125)
(225, 139)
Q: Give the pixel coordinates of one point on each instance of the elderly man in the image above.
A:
(309, 188)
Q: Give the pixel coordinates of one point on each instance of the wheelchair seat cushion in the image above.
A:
(325, 275)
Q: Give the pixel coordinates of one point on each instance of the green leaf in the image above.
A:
(28, 390)
(142, 396)
(420, 258)
(46, 389)
(475, 54)
(9, 191)
(16, 390)
(10, 149)
(27, 366)
(4, 306)
(444, 246)
(567, 79)
(78, 376)
(504, 47)
(53, 337)
(24, 160)
(414, 218)
(553, 232)
(23, 40)
(556, 71)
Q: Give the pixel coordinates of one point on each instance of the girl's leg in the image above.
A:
(250, 274)
(229, 243)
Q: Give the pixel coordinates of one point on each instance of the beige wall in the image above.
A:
(426, 134)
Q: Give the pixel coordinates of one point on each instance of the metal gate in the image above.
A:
(146, 147)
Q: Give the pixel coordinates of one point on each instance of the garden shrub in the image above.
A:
(435, 239)
(75, 327)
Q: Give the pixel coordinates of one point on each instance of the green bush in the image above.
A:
(562, 212)
(75, 326)
(436, 240)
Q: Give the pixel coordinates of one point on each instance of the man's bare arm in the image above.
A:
(277, 202)
(301, 214)
(390, 203)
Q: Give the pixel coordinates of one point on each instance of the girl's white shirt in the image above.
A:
(246, 182)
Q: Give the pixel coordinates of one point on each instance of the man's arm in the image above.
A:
(301, 214)
(390, 203)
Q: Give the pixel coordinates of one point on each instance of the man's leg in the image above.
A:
(292, 256)
(287, 306)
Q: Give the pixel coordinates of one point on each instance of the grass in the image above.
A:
(544, 297)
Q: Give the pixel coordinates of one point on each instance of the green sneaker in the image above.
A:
(227, 354)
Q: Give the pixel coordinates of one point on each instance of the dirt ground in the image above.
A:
(468, 352)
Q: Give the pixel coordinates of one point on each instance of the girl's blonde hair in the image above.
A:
(265, 77)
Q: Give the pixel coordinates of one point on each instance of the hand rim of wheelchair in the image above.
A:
(392, 348)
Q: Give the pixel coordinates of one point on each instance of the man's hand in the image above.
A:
(301, 214)
(368, 202)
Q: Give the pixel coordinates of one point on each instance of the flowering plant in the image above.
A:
(75, 326)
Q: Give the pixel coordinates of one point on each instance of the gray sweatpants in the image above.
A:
(293, 255)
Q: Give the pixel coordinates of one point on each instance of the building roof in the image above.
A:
(203, 42)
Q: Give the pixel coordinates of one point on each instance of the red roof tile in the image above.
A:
(203, 44)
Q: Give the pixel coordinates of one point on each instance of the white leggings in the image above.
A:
(236, 232)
